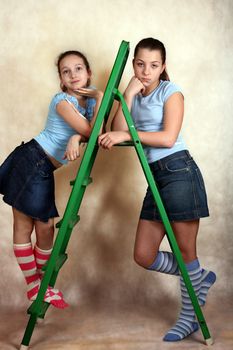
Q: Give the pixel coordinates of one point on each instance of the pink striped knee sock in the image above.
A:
(52, 295)
(41, 257)
(27, 262)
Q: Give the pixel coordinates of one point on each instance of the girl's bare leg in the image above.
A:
(44, 234)
(44, 243)
(22, 227)
(186, 237)
(148, 238)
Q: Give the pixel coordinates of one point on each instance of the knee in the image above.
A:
(44, 235)
(143, 258)
(22, 229)
(45, 230)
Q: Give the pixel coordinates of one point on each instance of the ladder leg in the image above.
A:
(39, 308)
(188, 284)
(168, 228)
(28, 332)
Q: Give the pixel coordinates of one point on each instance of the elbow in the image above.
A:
(87, 133)
(169, 143)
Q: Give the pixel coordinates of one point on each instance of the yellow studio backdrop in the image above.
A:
(198, 35)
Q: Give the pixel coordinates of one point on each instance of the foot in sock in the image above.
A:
(52, 296)
(27, 262)
(55, 297)
(186, 323)
(165, 262)
(181, 330)
(208, 278)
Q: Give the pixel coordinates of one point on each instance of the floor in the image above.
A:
(106, 327)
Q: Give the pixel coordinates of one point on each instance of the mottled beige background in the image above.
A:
(198, 35)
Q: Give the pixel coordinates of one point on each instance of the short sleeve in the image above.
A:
(62, 96)
(169, 90)
(88, 111)
(91, 102)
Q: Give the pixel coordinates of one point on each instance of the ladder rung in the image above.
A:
(60, 261)
(86, 182)
(33, 309)
(58, 224)
(73, 221)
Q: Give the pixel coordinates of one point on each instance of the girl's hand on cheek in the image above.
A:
(134, 87)
(88, 92)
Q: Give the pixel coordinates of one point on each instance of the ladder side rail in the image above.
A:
(167, 225)
(50, 275)
(72, 208)
(28, 332)
(80, 193)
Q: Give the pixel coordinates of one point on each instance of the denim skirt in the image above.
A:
(27, 181)
(181, 187)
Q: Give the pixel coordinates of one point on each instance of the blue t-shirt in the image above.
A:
(55, 136)
(147, 113)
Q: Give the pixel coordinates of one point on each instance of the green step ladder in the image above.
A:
(38, 308)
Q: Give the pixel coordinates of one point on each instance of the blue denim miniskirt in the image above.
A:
(27, 181)
(181, 187)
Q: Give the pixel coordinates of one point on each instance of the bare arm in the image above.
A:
(74, 118)
(173, 117)
(92, 93)
(79, 123)
(134, 87)
(119, 122)
(72, 148)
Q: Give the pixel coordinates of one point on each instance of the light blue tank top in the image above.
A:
(55, 136)
(147, 113)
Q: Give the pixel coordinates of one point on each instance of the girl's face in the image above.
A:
(148, 67)
(73, 73)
